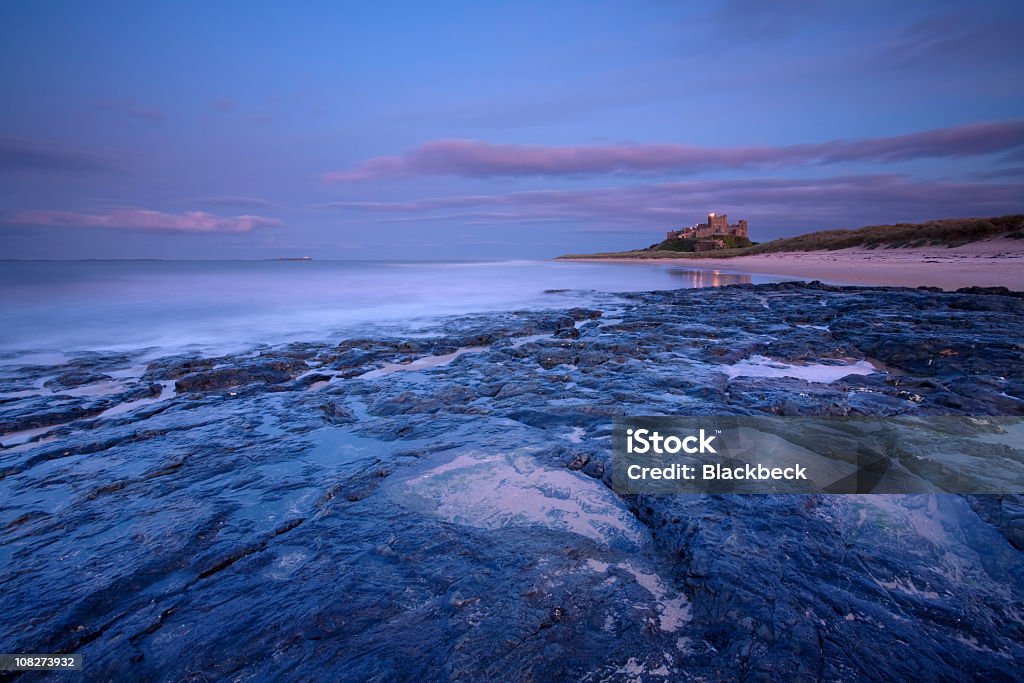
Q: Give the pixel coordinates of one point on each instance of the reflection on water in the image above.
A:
(709, 278)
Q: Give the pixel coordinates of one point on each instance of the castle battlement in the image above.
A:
(717, 226)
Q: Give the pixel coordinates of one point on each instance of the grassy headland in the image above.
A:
(949, 232)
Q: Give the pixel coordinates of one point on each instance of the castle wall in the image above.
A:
(709, 245)
(717, 225)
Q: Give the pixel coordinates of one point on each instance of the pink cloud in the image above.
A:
(476, 158)
(145, 221)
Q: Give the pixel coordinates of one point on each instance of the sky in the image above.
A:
(469, 130)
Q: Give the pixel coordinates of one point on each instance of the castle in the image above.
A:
(717, 226)
(708, 236)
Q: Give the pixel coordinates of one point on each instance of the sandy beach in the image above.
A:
(989, 263)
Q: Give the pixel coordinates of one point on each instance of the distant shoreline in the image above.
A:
(987, 263)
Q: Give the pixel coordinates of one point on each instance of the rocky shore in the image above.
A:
(438, 507)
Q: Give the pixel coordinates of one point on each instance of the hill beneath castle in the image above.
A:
(951, 233)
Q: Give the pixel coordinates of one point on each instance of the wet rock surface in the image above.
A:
(438, 507)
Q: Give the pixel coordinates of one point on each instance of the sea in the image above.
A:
(51, 307)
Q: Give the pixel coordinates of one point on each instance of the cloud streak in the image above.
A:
(236, 201)
(475, 158)
(143, 220)
(781, 203)
(223, 105)
(31, 155)
(133, 109)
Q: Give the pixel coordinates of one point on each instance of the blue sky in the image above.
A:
(499, 129)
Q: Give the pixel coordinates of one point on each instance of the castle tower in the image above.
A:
(718, 224)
